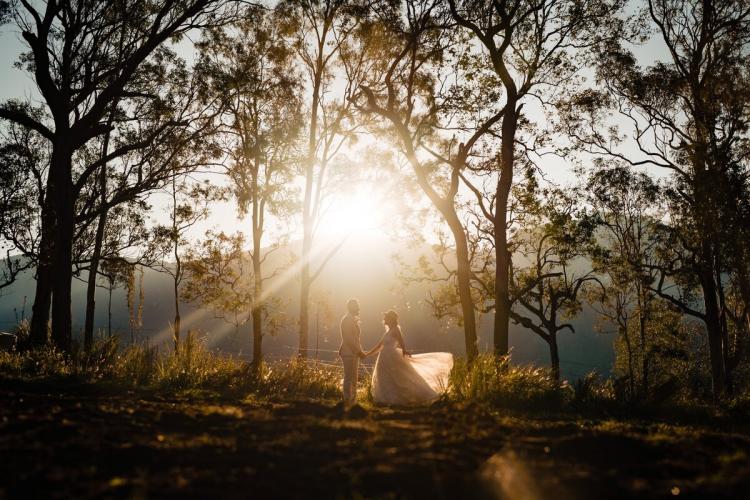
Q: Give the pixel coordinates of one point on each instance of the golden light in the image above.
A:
(359, 212)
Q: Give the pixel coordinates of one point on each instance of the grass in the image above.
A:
(195, 370)
(198, 372)
(494, 381)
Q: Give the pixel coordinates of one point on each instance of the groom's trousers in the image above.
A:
(351, 370)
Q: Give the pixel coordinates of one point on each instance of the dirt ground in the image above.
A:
(92, 444)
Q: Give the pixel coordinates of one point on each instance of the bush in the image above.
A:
(46, 362)
(298, 378)
(194, 368)
(590, 392)
(494, 381)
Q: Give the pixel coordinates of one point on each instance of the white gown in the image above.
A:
(409, 380)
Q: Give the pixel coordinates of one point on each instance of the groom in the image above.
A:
(350, 351)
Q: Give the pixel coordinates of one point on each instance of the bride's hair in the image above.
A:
(390, 318)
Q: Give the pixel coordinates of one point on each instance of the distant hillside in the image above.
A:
(362, 269)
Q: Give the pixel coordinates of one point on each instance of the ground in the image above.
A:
(91, 443)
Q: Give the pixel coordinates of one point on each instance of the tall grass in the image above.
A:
(494, 381)
(297, 378)
(194, 368)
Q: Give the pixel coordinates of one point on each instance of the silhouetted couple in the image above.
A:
(399, 378)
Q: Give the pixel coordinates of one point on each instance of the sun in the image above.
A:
(358, 212)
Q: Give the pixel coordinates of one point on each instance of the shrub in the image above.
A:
(46, 362)
(194, 368)
(495, 381)
(298, 378)
(590, 392)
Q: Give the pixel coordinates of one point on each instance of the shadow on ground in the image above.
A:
(97, 445)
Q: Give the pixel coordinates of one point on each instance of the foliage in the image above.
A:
(195, 369)
(495, 381)
(298, 378)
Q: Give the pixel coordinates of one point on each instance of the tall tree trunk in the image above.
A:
(307, 214)
(713, 330)
(109, 313)
(40, 310)
(62, 193)
(554, 356)
(631, 373)
(304, 300)
(88, 330)
(257, 312)
(723, 320)
(176, 325)
(463, 274)
(705, 215)
(177, 270)
(502, 255)
(645, 348)
(257, 338)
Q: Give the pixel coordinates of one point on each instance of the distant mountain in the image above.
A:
(362, 268)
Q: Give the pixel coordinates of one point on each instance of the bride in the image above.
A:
(400, 378)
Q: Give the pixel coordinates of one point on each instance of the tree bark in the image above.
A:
(463, 274)
(307, 216)
(40, 311)
(554, 356)
(177, 270)
(713, 330)
(257, 312)
(176, 325)
(502, 255)
(88, 331)
(62, 194)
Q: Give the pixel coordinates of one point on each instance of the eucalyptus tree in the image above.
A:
(317, 30)
(554, 242)
(626, 204)
(687, 114)
(409, 46)
(533, 47)
(85, 58)
(189, 203)
(250, 69)
(24, 162)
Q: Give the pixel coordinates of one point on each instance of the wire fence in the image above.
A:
(336, 364)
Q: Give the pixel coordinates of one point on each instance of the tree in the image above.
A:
(533, 48)
(401, 91)
(116, 272)
(82, 64)
(688, 116)
(318, 29)
(250, 69)
(189, 204)
(555, 241)
(24, 161)
(625, 205)
(218, 277)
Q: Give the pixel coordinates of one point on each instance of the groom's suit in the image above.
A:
(350, 352)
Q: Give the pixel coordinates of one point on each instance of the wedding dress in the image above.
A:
(409, 380)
